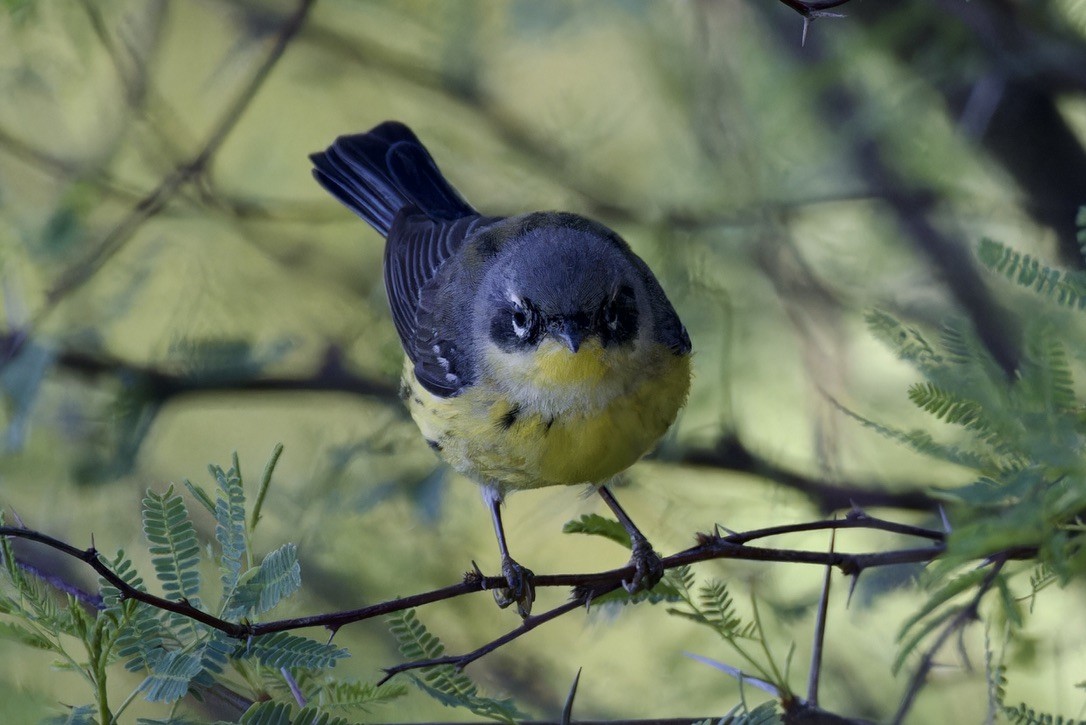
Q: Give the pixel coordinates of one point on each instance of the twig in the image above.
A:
(161, 385)
(591, 584)
(812, 8)
(153, 202)
(820, 631)
(966, 615)
(461, 661)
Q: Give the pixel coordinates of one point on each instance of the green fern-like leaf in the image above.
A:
(1046, 375)
(682, 579)
(923, 443)
(768, 713)
(719, 609)
(945, 405)
(906, 342)
(919, 633)
(1040, 578)
(175, 551)
(230, 526)
(283, 649)
(170, 678)
(280, 713)
(944, 594)
(82, 715)
(715, 609)
(36, 603)
(143, 629)
(596, 525)
(268, 713)
(1067, 288)
(444, 683)
(1025, 715)
(357, 695)
(263, 587)
(26, 636)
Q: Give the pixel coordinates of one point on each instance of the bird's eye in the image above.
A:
(610, 315)
(617, 320)
(521, 323)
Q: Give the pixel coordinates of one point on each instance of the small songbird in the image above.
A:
(541, 351)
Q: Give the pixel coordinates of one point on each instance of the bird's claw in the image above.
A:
(520, 589)
(648, 568)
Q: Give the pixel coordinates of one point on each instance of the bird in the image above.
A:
(540, 350)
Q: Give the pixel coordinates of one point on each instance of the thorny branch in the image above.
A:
(811, 10)
(587, 586)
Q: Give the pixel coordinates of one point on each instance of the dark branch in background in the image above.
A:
(155, 201)
(731, 455)
(1013, 110)
(159, 386)
(912, 205)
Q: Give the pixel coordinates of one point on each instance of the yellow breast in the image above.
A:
(557, 419)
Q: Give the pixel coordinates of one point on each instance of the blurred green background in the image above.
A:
(731, 158)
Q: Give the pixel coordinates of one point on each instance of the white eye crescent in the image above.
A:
(610, 316)
(521, 323)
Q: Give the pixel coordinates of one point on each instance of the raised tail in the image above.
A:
(375, 174)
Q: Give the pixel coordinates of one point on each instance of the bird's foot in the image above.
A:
(648, 568)
(520, 589)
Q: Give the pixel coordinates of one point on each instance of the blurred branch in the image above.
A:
(1012, 107)
(56, 166)
(912, 205)
(153, 202)
(731, 454)
(160, 386)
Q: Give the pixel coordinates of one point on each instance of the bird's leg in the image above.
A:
(648, 569)
(520, 589)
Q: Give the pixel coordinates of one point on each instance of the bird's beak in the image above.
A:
(570, 334)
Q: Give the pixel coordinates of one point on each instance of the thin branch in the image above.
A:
(461, 661)
(587, 587)
(956, 623)
(815, 672)
(155, 201)
(94, 560)
(591, 585)
(161, 385)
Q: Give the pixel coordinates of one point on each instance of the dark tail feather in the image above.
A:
(376, 174)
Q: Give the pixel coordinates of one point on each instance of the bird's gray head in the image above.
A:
(566, 278)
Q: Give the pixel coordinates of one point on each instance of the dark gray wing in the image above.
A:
(670, 330)
(430, 302)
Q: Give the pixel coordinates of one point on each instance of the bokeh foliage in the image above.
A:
(249, 309)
